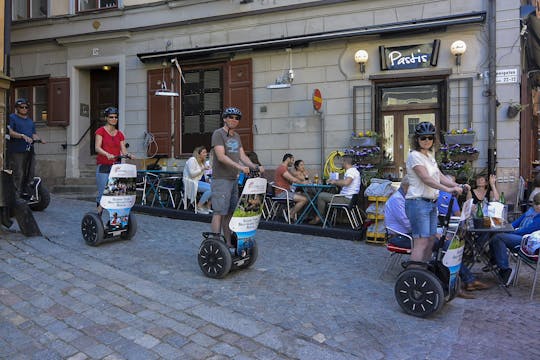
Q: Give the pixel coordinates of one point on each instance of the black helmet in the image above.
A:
(232, 111)
(110, 110)
(424, 128)
(22, 101)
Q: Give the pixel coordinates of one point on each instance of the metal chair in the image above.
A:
(169, 186)
(531, 262)
(398, 244)
(150, 187)
(279, 203)
(140, 186)
(350, 208)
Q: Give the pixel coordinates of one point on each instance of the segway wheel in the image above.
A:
(44, 199)
(253, 254)
(131, 228)
(92, 229)
(419, 292)
(214, 258)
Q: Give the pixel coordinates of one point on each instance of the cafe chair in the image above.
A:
(150, 188)
(190, 193)
(280, 205)
(140, 187)
(398, 244)
(168, 191)
(532, 262)
(351, 209)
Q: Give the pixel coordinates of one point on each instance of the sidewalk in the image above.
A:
(306, 297)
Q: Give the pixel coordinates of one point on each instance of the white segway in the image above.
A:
(118, 199)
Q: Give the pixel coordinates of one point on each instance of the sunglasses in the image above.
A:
(235, 117)
(23, 107)
(113, 116)
(424, 138)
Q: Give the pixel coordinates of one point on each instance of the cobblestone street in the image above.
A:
(306, 297)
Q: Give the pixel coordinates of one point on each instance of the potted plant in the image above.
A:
(365, 155)
(459, 152)
(368, 138)
(514, 109)
(459, 136)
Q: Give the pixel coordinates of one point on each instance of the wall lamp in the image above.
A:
(457, 49)
(361, 57)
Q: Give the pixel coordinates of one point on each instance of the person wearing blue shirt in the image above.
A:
(527, 223)
(443, 201)
(22, 133)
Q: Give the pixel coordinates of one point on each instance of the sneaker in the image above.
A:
(507, 275)
(203, 211)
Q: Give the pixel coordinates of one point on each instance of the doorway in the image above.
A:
(103, 93)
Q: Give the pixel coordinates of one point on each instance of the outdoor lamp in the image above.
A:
(457, 49)
(361, 57)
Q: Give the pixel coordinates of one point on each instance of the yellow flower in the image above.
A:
(464, 131)
(453, 132)
(360, 134)
(368, 133)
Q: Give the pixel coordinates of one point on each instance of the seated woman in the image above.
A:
(194, 171)
(536, 189)
(300, 170)
(483, 187)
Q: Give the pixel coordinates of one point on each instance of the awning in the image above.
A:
(424, 25)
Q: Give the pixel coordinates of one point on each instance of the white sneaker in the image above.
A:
(203, 211)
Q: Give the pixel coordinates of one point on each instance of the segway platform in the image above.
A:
(215, 258)
(118, 199)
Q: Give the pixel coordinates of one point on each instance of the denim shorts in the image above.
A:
(422, 215)
(224, 196)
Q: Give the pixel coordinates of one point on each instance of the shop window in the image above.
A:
(29, 9)
(88, 5)
(202, 95)
(48, 97)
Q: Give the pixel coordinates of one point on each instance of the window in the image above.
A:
(48, 97)
(29, 9)
(88, 5)
(201, 107)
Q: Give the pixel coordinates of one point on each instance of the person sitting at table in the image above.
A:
(193, 172)
(483, 188)
(284, 179)
(443, 202)
(350, 185)
(536, 189)
(300, 170)
(525, 224)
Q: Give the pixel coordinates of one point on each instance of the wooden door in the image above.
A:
(103, 93)
(159, 113)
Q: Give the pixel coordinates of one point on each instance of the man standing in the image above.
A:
(228, 152)
(350, 185)
(22, 132)
(284, 179)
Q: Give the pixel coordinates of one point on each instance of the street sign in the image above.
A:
(506, 76)
(317, 99)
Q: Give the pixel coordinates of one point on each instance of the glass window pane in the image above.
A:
(405, 95)
(211, 123)
(87, 5)
(40, 103)
(23, 92)
(191, 125)
(212, 101)
(388, 142)
(191, 104)
(212, 79)
(107, 3)
(39, 8)
(20, 10)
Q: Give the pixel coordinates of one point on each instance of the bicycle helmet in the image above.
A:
(110, 110)
(424, 128)
(22, 101)
(232, 111)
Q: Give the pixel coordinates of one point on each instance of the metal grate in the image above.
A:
(362, 108)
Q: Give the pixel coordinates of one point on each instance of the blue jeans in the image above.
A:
(422, 216)
(205, 188)
(101, 182)
(498, 245)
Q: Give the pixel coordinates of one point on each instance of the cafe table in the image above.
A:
(478, 250)
(312, 192)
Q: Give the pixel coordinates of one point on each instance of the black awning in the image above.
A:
(430, 24)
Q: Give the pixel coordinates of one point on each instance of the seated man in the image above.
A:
(395, 218)
(525, 224)
(350, 185)
(443, 202)
(284, 179)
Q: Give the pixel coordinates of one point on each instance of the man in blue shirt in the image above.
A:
(443, 201)
(22, 133)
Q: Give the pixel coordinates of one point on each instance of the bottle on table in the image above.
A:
(316, 179)
(502, 200)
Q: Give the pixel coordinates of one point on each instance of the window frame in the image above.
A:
(32, 84)
(29, 11)
(98, 8)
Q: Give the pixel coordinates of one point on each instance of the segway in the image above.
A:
(422, 290)
(118, 199)
(215, 259)
(36, 195)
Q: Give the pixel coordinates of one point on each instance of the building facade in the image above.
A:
(74, 58)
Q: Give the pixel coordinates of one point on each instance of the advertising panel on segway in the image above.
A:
(118, 199)
(215, 258)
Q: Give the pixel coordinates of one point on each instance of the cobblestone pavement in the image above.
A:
(306, 297)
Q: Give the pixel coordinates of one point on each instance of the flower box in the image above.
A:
(363, 141)
(464, 156)
(364, 160)
(451, 139)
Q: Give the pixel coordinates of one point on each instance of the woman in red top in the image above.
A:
(110, 143)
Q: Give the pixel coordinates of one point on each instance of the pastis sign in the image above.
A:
(410, 56)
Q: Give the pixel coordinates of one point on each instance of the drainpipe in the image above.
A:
(492, 91)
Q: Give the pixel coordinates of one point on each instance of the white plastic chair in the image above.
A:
(169, 186)
(279, 203)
